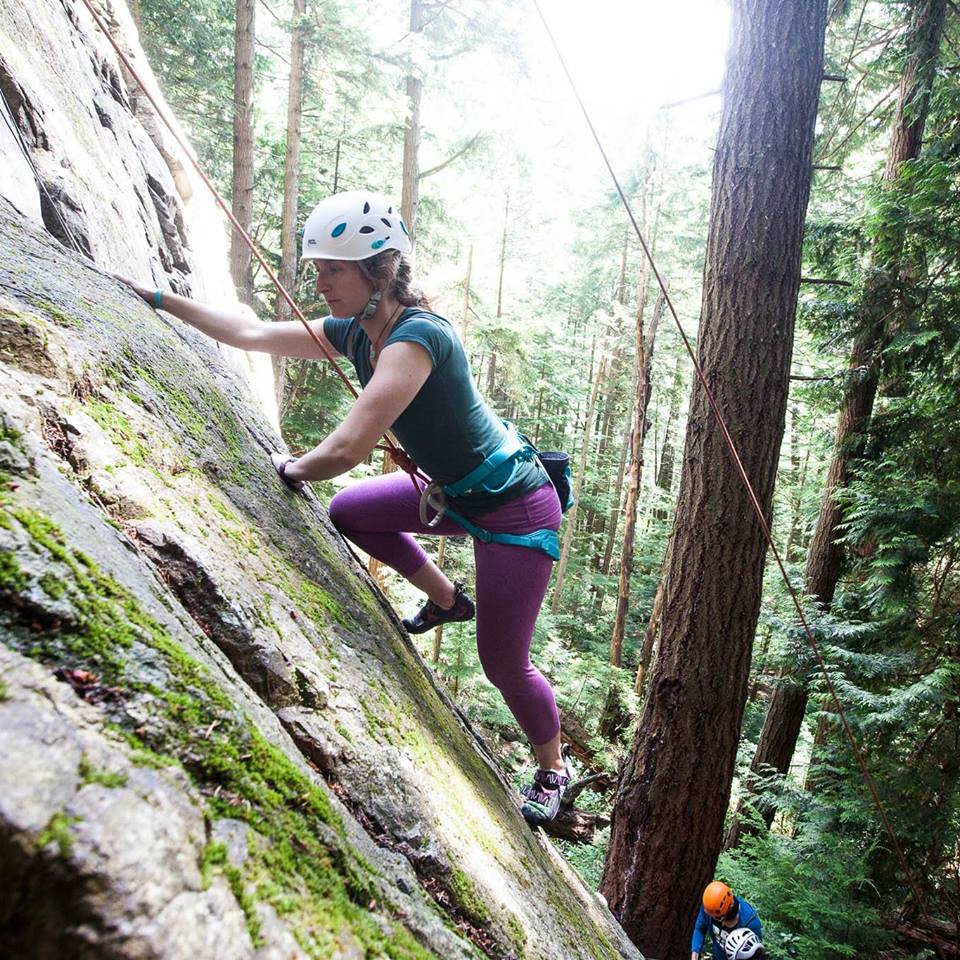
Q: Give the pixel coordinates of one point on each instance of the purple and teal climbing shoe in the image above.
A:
(432, 615)
(543, 796)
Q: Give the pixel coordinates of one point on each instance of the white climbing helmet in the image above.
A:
(353, 226)
(741, 944)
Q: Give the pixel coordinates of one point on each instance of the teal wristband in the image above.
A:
(157, 297)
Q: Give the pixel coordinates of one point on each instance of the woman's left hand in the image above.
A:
(280, 462)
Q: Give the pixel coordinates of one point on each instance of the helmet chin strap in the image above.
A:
(371, 308)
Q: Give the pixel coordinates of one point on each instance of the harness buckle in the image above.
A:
(433, 498)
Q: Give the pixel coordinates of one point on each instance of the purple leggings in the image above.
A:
(379, 514)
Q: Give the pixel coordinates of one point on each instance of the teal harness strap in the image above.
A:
(546, 541)
(513, 447)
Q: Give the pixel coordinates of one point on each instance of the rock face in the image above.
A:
(217, 741)
(88, 152)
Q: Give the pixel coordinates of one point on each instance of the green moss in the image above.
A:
(53, 586)
(106, 778)
(120, 430)
(468, 898)
(57, 315)
(4, 692)
(9, 433)
(343, 731)
(12, 578)
(302, 862)
(518, 937)
(590, 936)
(235, 878)
(214, 855)
(58, 831)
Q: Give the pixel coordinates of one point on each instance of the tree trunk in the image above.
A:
(577, 489)
(663, 847)
(410, 197)
(242, 197)
(615, 503)
(291, 183)
(503, 254)
(640, 425)
(291, 168)
(788, 703)
(653, 625)
(668, 454)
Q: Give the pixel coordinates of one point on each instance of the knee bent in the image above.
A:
(339, 510)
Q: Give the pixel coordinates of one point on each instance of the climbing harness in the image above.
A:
(492, 477)
(751, 493)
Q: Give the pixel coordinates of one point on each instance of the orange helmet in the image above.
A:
(718, 900)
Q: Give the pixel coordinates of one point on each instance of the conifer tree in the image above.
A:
(670, 803)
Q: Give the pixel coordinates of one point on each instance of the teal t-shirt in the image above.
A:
(447, 428)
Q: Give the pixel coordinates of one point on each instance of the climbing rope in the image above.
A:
(389, 445)
(41, 185)
(407, 464)
(748, 486)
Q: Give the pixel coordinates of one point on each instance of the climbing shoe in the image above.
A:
(543, 796)
(432, 615)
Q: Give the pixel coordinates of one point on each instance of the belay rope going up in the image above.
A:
(751, 493)
(406, 463)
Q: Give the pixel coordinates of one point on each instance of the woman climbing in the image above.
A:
(417, 382)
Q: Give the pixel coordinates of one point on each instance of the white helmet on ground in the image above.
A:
(742, 944)
(353, 226)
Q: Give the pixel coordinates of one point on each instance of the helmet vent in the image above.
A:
(338, 230)
(366, 208)
(387, 222)
(366, 229)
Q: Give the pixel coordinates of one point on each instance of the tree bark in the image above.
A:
(878, 320)
(410, 197)
(577, 490)
(291, 185)
(291, 167)
(242, 196)
(663, 847)
(503, 254)
(644, 347)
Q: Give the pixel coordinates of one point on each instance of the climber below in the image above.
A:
(732, 923)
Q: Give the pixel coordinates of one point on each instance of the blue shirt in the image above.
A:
(447, 428)
(706, 924)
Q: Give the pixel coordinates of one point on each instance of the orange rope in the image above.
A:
(748, 486)
(388, 445)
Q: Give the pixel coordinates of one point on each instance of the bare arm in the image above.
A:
(401, 371)
(287, 339)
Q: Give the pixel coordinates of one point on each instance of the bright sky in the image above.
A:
(628, 58)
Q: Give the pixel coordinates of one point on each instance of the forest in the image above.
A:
(781, 715)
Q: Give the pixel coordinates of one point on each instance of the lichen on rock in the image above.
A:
(223, 743)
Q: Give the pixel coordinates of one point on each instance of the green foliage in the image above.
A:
(812, 892)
